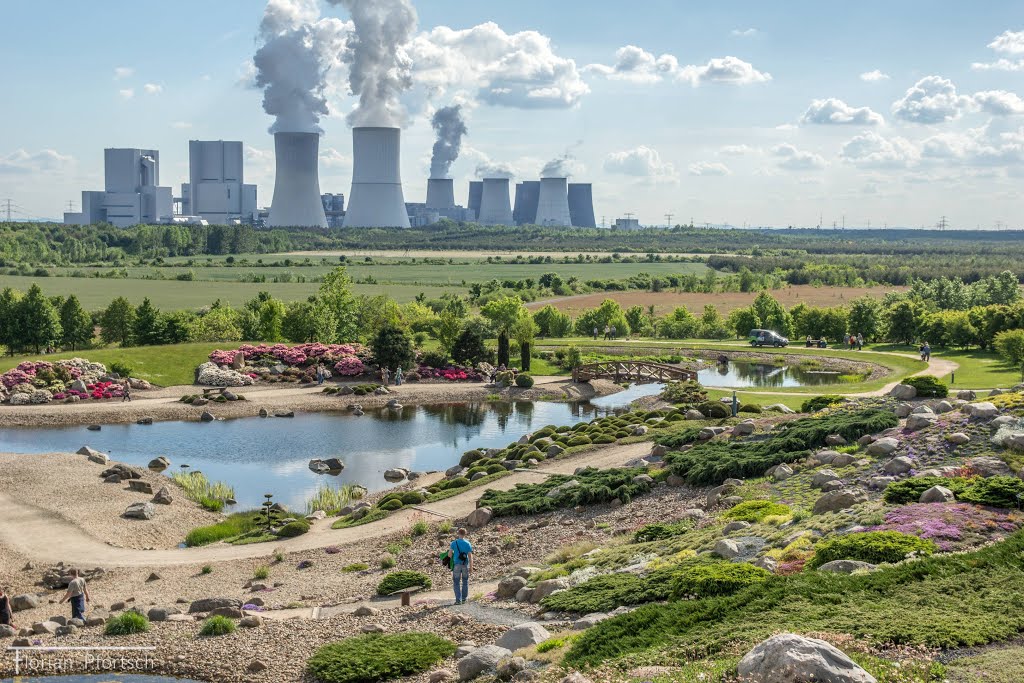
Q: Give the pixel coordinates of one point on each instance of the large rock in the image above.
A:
(938, 494)
(884, 446)
(902, 410)
(523, 635)
(159, 464)
(395, 474)
(206, 415)
(958, 438)
(693, 414)
(833, 501)
(987, 466)
(93, 455)
(163, 496)
(782, 472)
(7, 631)
(41, 627)
(210, 604)
(745, 428)
(740, 549)
(966, 395)
(24, 601)
(546, 588)
(920, 421)
(898, 465)
(140, 486)
(821, 478)
(481, 660)
(780, 408)
(843, 459)
(509, 586)
(903, 392)
(789, 658)
(479, 517)
(980, 411)
(140, 511)
(845, 566)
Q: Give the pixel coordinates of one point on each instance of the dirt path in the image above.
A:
(43, 536)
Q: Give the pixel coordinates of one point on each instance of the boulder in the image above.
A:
(335, 464)
(693, 414)
(210, 604)
(479, 517)
(524, 595)
(903, 392)
(554, 450)
(481, 660)
(987, 466)
(767, 563)
(163, 496)
(251, 621)
(229, 612)
(576, 677)
(716, 494)
(24, 601)
(93, 455)
(898, 465)
(845, 566)
(365, 611)
(206, 415)
(65, 630)
(523, 635)
(780, 408)
(824, 457)
(789, 658)
(843, 459)
(264, 412)
(395, 474)
(48, 627)
(659, 451)
(509, 586)
(7, 631)
(140, 511)
(740, 549)
(546, 588)
(782, 472)
(161, 613)
(144, 421)
(94, 428)
(833, 501)
(938, 494)
(589, 620)
(735, 526)
(835, 440)
(675, 480)
(966, 395)
(943, 407)
(285, 413)
(883, 446)
(879, 483)
(920, 421)
(820, 478)
(958, 438)
(743, 429)
(902, 410)
(981, 411)
(159, 464)
(139, 486)
(833, 485)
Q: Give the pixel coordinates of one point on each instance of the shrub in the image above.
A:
(715, 410)
(658, 531)
(998, 492)
(604, 439)
(1009, 344)
(750, 408)
(470, 457)
(678, 437)
(262, 572)
(356, 567)
(378, 657)
(293, 529)
(434, 359)
(524, 381)
(594, 488)
(875, 547)
(387, 562)
(608, 591)
(703, 579)
(755, 510)
(813, 405)
(391, 505)
(928, 386)
(217, 626)
(235, 525)
(207, 569)
(126, 624)
(396, 581)
(419, 528)
(910, 490)
(684, 393)
(121, 369)
(580, 441)
(412, 498)
(458, 483)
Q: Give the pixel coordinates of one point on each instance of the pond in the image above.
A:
(747, 375)
(271, 455)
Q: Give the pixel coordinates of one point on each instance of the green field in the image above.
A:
(978, 369)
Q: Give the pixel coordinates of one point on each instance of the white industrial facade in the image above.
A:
(376, 200)
(131, 194)
(553, 202)
(216, 191)
(297, 200)
(495, 203)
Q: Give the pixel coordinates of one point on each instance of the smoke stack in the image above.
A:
(440, 193)
(476, 193)
(376, 200)
(525, 210)
(581, 205)
(495, 205)
(297, 182)
(553, 202)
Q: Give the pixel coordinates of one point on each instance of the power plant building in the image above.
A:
(216, 191)
(553, 203)
(476, 193)
(131, 194)
(581, 205)
(440, 193)
(527, 195)
(495, 203)
(334, 208)
(376, 200)
(296, 200)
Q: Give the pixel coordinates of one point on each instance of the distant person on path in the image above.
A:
(614, 332)
(860, 341)
(398, 377)
(595, 332)
(6, 617)
(78, 595)
(926, 352)
(385, 376)
(461, 552)
(127, 394)
(319, 374)
(607, 331)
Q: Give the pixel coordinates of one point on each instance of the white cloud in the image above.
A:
(642, 161)
(709, 168)
(22, 162)
(126, 94)
(737, 150)
(871, 150)
(635, 64)
(874, 76)
(999, 102)
(986, 146)
(153, 88)
(122, 72)
(932, 99)
(518, 70)
(835, 111)
(999, 65)
(332, 158)
(1006, 43)
(181, 125)
(793, 159)
(744, 32)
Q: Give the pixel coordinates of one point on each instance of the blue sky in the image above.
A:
(760, 115)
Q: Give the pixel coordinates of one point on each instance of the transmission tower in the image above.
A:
(942, 224)
(668, 220)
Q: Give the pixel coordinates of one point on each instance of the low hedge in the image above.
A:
(876, 547)
(755, 510)
(378, 657)
(813, 405)
(704, 579)
(594, 488)
(396, 581)
(998, 492)
(293, 529)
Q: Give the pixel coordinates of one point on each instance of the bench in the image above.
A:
(816, 343)
(406, 594)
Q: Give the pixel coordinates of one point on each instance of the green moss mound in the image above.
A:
(714, 410)
(391, 505)
(875, 547)
(755, 510)
(396, 581)
(580, 441)
(293, 529)
(378, 657)
(928, 386)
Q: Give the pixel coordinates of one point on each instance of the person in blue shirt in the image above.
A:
(462, 564)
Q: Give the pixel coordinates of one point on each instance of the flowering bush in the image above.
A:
(347, 359)
(212, 376)
(349, 366)
(40, 381)
(952, 526)
(452, 373)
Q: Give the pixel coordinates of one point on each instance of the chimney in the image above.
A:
(297, 182)
(495, 205)
(553, 202)
(525, 210)
(581, 205)
(376, 200)
(440, 193)
(476, 193)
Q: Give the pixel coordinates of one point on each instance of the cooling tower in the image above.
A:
(581, 205)
(440, 193)
(376, 200)
(495, 206)
(476, 192)
(297, 182)
(553, 202)
(525, 210)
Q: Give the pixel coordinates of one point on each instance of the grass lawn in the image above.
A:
(793, 401)
(168, 365)
(978, 369)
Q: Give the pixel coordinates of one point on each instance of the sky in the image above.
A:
(742, 113)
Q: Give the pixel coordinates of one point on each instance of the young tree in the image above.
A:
(503, 314)
(1010, 345)
(270, 320)
(219, 324)
(309, 321)
(40, 320)
(866, 317)
(178, 326)
(742, 321)
(608, 313)
(10, 320)
(336, 294)
(392, 348)
(524, 329)
(470, 346)
(636, 320)
(551, 322)
(772, 314)
(902, 320)
(447, 328)
(148, 327)
(679, 324)
(712, 324)
(117, 322)
(75, 323)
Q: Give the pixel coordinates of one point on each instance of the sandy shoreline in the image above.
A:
(163, 404)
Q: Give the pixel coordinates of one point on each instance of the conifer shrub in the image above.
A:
(594, 487)
(378, 657)
(400, 580)
(876, 547)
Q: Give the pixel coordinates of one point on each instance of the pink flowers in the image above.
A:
(451, 373)
(953, 526)
(12, 378)
(349, 366)
(292, 356)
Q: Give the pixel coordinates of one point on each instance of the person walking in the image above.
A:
(461, 553)
(77, 594)
(6, 616)
(927, 352)
(595, 332)
(860, 341)
(398, 377)
(385, 376)
(126, 394)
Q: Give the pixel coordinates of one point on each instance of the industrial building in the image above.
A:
(525, 210)
(297, 182)
(578, 201)
(553, 203)
(131, 194)
(581, 205)
(376, 200)
(628, 224)
(476, 193)
(495, 202)
(334, 208)
(216, 191)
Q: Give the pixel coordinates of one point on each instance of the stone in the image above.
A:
(943, 407)
(48, 627)
(113, 479)
(902, 410)
(920, 421)
(395, 474)
(509, 586)
(481, 660)
(640, 430)
(229, 612)
(264, 412)
(644, 479)
(823, 476)
(161, 613)
(440, 676)
(782, 472)
(140, 486)
(144, 421)
(693, 414)
(59, 620)
(843, 460)
(200, 401)
(479, 517)
(833, 485)
(780, 408)
(987, 466)
(65, 630)
(24, 601)
(879, 483)
(159, 464)
(883, 446)
(93, 455)
(256, 667)
(285, 413)
(922, 409)
(825, 457)
(981, 411)
(365, 611)
(835, 440)
(523, 635)
(316, 516)
(576, 677)
(675, 480)
(903, 392)
(206, 415)
(163, 496)
(789, 658)
(845, 566)
(767, 563)
(546, 588)
(140, 511)
(93, 428)
(524, 595)
(735, 526)
(92, 622)
(508, 668)
(730, 501)
(554, 450)
(78, 623)
(739, 549)
(938, 494)
(589, 620)
(898, 465)
(21, 642)
(153, 576)
(716, 494)
(743, 429)
(834, 501)
(251, 621)
(966, 395)
(7, 631)
(659, 451)
(210, 604)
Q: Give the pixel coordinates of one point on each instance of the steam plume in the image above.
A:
(559, 167)
(450, 128)
(489, 169)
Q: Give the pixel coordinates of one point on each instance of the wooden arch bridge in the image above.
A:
(632, 371)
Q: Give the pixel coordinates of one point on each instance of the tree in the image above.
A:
(503, 314)
(118, 322)
(270, 320)
(375, 312)
(609, 313)
(336, 294)
(10, 321)
(834, 323)
(470, 347)
(148, 328)
(75, 324)
(447, 328)
(39, 319)
(679, 324)
(772, 314)
(220, 323)
(902, 322)
(866, 317)
(523, 331)
(712, 324)
(1010, 345)
(551, 322)
(178, 326)
(309, 321)
(392, 348)
(742, 321)
(637, 320)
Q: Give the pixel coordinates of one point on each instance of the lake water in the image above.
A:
(743, 375)
(271, 455)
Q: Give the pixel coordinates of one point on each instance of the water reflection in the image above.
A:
(739, 374)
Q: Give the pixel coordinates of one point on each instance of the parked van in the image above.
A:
(767, 338)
